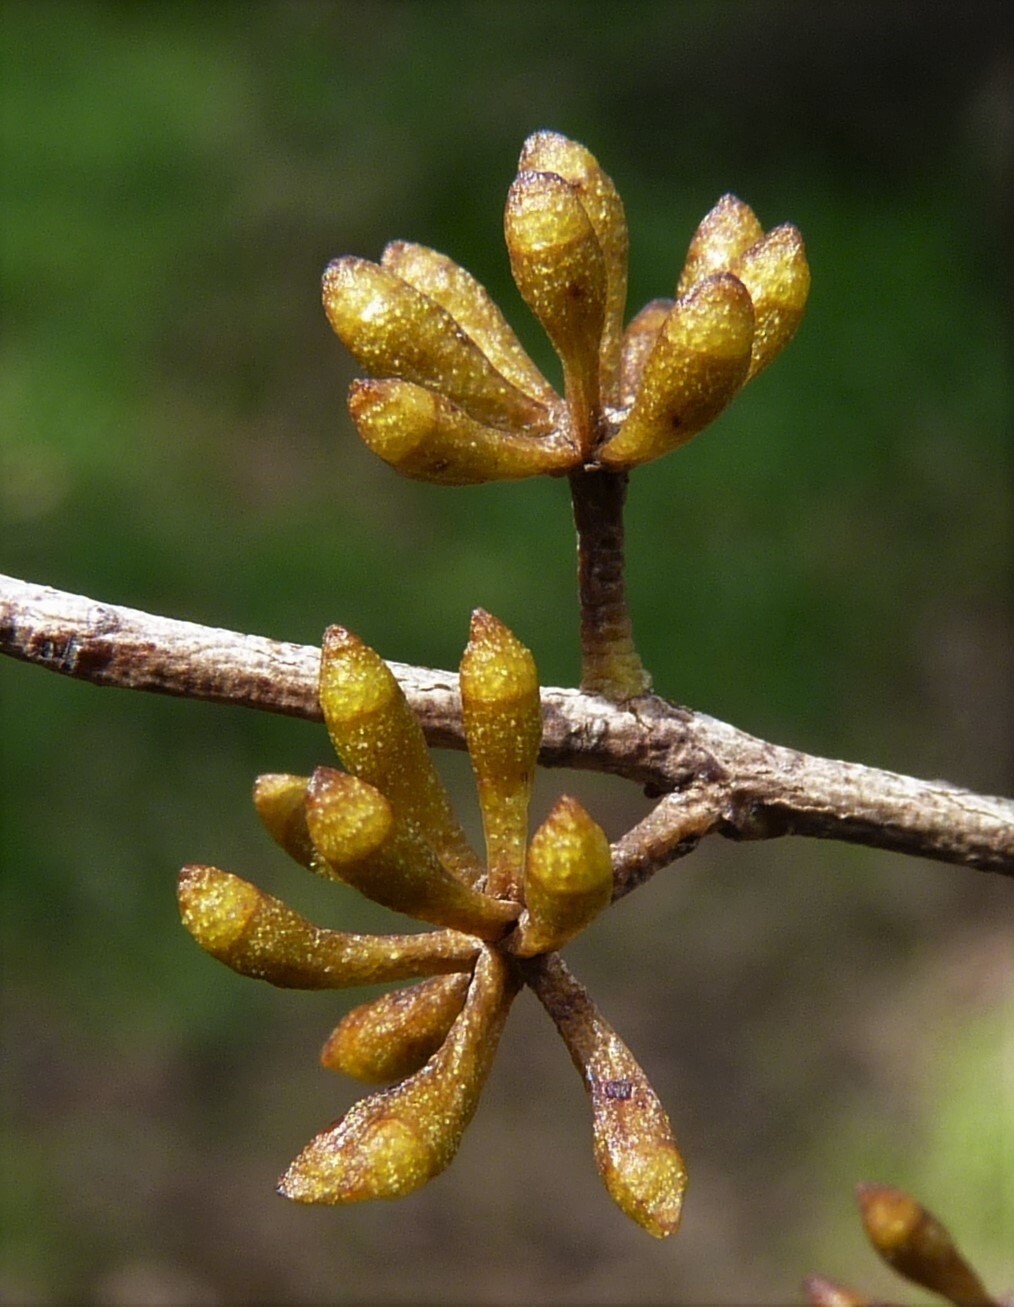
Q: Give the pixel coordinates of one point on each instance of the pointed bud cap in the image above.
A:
(550, 152)
(917, 1245)
(568, 879)
(377, 737)
(502, 717)
(392, 329)
(777, 275)
(724, 234)
(258, 935)
(397, 1033)
(397, 1139)
(424, 436)
(360, 839)
(559, 269)
(698, 363)
(473, 309)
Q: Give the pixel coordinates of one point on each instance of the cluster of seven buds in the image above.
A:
(385, 826)
(453, 397)
(457, 400)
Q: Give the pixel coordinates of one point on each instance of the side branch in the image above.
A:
(715, 778)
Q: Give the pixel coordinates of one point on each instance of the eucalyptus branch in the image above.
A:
(715, 779)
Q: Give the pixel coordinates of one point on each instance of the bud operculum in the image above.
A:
(280, 801)
(722, 237)
(821, 1292)
(474, 310)
(568, 879)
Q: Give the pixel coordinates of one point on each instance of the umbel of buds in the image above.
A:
(385, 827)
(455, 398)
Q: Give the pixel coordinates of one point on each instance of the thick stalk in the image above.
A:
(610, 665)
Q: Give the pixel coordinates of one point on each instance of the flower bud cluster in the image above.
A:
(454, 398)
(384, 826)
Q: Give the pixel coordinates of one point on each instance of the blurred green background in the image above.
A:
(828, 567)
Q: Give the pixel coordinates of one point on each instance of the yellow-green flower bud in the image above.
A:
(258, 935)
(424, 436)
(698, 363)
(356, 832)
(723, 236)
(568, 879)
(397, 1033)
(280, 801)
(379, 739)
(471, 307)
(397, 1139)
(502, 717)
(635, 1151)
(777, 275)
(638, 342)
(394, 330)
(559, 269)
(553, 153)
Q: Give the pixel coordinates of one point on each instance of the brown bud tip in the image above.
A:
(354, 680)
